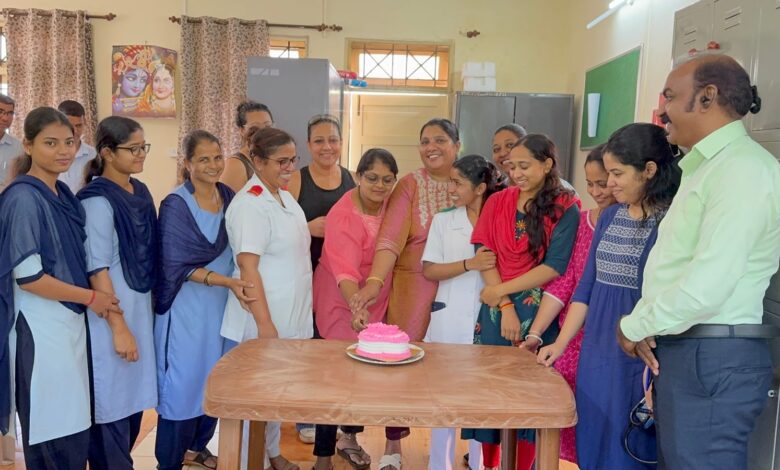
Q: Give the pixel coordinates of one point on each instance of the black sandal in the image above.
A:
(201, 459)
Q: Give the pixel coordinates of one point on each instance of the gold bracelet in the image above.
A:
(374, 278)
(206, 279)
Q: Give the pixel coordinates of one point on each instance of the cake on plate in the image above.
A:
(383, 342)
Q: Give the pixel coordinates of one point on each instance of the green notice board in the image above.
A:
(616, 80)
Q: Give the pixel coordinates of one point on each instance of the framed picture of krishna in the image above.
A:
(143, 81)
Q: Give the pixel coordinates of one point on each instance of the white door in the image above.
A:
(392, 122)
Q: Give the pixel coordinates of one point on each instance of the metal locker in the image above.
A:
(692, 29)
(552, 115)
(734, 29)
(765, 126)
(478, 116)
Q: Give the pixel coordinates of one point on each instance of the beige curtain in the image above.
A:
(213, 69)
(50, 60)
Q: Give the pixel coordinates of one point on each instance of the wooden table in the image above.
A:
(314, 381)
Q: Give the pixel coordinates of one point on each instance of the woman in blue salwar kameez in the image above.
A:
(44, 291)
(121, 258)
(195, 268)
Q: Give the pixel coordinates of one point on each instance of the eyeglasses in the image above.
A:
(4, 113)
(375, 179)
(135, 150)
(285, 163)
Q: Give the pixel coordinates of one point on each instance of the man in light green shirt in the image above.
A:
(705, 279)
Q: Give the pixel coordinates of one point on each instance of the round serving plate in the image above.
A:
(417, 354)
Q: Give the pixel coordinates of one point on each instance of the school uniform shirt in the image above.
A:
(449, 240)
(121, 388)
(59, 394)
(74, 177)
(10, 148)
(258, 224)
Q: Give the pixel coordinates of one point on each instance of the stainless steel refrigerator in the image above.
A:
(478, 115)
(295, 90)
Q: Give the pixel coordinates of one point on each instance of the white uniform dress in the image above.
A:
(59, 390)
(449, 240)
(279, 234)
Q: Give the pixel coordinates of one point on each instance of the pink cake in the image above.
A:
(383, 342)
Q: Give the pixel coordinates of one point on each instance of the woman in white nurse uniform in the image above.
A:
(449, 258)
(270, 241)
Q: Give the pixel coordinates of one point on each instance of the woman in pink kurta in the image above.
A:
(350, 243)
(558, 293)
(415, 200)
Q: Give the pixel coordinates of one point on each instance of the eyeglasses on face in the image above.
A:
(135, 150)
(375, 179)
(285, 163)
(4, 113)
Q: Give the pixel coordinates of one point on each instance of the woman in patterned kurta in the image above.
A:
(557, 294)
(416, 198)
(531, 228)
(644, 178)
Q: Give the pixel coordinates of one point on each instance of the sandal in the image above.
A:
(392, 461)
(201, 459)
(282, 464)
(349, 452)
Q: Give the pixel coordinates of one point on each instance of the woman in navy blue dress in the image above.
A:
(644, 179)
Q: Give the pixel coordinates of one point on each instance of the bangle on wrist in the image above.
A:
(91, 298)
(374, 278)
(505, 305)
(465, 268)
(536, 337)
(206, 278)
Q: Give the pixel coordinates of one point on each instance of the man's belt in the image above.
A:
(755, 331)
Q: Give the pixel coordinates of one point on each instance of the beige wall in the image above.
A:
(648, 23)
(528, 40)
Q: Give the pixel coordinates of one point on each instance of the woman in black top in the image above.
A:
(319, 185)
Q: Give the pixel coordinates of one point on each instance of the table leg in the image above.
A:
(508, 449)
(548, 442)
(229, 444)
(256, 449)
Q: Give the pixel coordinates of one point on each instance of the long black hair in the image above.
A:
(543, 204)
(35, 122)
(637, 145)
(478, 169)
(112, 132)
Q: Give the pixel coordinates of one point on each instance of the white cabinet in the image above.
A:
(692, 29)
(765, 126)
(734, 29)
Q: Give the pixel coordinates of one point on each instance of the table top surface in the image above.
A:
(314, 381)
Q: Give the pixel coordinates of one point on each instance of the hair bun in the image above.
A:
(755, 107)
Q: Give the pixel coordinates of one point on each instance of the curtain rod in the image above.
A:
(19, 12)
(318, 27)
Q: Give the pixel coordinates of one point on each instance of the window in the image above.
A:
(289, 48)
(3, 60)
(401, 65)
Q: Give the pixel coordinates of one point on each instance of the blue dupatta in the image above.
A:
(135, 221)
(182, 247)
(35, 220)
